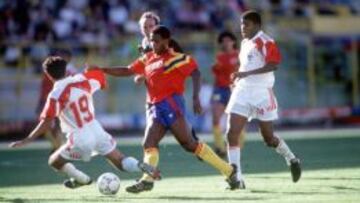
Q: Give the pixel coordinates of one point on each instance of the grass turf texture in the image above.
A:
(331, 173)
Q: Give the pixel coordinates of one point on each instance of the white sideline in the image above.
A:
(251, 136)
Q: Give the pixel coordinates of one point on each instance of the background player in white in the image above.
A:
(71, 101)
(252, 96)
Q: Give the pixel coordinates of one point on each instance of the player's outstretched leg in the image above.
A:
(281, 148)
(76, 179)
(73, 184)
(130, 164)
(235, 126)
(146, 183)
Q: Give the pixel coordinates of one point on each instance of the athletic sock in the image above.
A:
(130, 164)
(284, 151)
(218, 139)
(234, 156)
(207, 154)
(70, 170)
(151, 157)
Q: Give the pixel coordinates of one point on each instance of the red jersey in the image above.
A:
(165, 74)
(226, 63)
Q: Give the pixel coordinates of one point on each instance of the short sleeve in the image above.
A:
(96, 76)
(51, 109)
(272, 53)
(138, 66)
(189, 66)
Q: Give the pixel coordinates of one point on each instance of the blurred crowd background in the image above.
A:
(317, 83)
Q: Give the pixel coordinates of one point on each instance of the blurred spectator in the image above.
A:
(43, 23)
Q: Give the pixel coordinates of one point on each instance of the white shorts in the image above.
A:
(253, 103)
(90, 140)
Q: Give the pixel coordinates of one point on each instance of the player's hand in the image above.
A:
(19, 143)
(139, 79)
(197, 106)
(238, 75)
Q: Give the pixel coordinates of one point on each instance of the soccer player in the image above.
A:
(71, 101)
(148, 21)
(226, 63)
(54, 134)
(253, 97)
(165, 72)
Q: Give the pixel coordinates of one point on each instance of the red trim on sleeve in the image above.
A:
(272, 53)
(96, 75)
(49, 110)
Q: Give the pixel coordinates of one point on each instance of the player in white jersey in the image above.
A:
(253, 97)
(71, 101)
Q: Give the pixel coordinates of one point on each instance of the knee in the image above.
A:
(54, 162)
(189, 146)
(232, 134)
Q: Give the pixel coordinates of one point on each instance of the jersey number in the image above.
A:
(81, 111)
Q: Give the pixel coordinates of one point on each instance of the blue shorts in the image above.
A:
(167, 111)
(221, 95)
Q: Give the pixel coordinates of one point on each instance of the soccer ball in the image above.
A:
(108, 183)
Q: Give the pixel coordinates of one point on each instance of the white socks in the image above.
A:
(284, 151)
(234, 158)
(130, 164)
(70, 170)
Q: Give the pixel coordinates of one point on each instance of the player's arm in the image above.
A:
(269, 67)
(196, 81)
(119, 71)
(43, 126)
(272, 59)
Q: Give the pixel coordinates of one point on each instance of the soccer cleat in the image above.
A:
(295, 168)
(233, 182)
(73, 184)
(150, 170)
(140, 186)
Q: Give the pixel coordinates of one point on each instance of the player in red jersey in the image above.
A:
(54, 134)
(71, 101)
(226, 63)
(165, 72)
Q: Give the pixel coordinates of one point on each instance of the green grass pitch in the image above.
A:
(331, 173)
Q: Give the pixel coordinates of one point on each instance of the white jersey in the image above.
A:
(71, 100)
(254, 54)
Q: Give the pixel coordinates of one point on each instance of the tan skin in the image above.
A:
(237, 122)
(155, 131)
(56, 161)
(146, 28)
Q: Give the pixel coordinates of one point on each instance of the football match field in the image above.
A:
(330, 160)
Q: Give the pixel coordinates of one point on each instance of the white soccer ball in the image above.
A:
(108, 183)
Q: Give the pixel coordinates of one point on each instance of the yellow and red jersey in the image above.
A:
(226, 63)
(165, 74)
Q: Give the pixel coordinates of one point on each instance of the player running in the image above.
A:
(226, 63)
(71, 101)
(253, 97)
(165, 72)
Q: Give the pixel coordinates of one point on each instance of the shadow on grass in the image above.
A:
(123, 199)
(29, 167)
